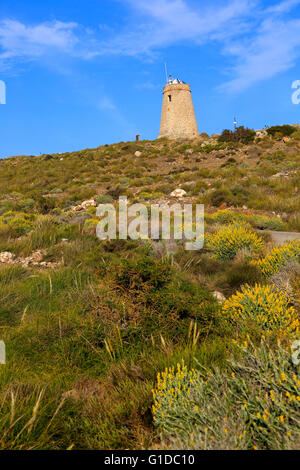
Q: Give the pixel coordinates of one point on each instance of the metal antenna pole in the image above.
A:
(166, 71)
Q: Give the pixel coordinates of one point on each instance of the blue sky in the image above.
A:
(81, 73)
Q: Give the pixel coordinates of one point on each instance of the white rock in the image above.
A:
(88, 203)
(138, 154)
(261, 133)
(6, 257)
(35, 258)
(178, 193)
(219, 296)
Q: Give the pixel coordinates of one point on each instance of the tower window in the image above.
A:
(170, 97)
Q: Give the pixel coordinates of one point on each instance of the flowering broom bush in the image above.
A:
(172, 396)
(278, 257)
(224, 216)
(253, 405)
(267, 307)
(18, 222)
(227, 241)
(266, 223)
(259, 221)
(90, 225)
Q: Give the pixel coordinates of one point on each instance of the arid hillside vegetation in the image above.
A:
(142, 344)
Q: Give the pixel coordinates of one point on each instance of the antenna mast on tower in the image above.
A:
(166, 72)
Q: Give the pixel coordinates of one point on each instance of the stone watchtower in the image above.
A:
(178, 118)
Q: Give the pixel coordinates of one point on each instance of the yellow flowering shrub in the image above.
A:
(267, 307)
(278, 257)
(227, 241)
(259, 221)
(266, 223)
(253, 405)
(172, 392)
(223, 216)
(18, 222)
(90, 225)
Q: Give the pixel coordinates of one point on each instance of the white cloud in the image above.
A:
(284, 6)
(18, 40)
(119, 119)
(105, 103)
(259, 42)
(273, 49)
(167, 22)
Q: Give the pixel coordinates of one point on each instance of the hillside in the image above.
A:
(257, 175)
(91, 325)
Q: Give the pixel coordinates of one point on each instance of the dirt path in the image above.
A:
(282, 237)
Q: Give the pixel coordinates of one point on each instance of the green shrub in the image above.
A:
(242, 273)
(25, 204)
(124, 181)
(44, 204)
(47, 231)
(261, 222)
(220, 196)
(224, 216)
(104, 199)
(117, 191)
(266, 223)
(145, 196)
(284, 131)
(240, 134)
(56, 191)
(6, 206)
(209, 265)
(253, 405)
(183, 299)
(296, 134)
(229, 162)
(144, 274)
(157, 195)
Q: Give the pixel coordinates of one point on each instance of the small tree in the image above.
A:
(240, 134)
(281, 131)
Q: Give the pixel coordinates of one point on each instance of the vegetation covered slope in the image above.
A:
(89, 325)
(259, 175)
